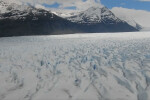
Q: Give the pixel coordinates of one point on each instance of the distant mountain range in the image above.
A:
(20, 20)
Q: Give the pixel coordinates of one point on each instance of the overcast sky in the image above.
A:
(84, 4)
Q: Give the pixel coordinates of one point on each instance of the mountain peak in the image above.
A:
(20, 11)
(6, 7)
(94, 15)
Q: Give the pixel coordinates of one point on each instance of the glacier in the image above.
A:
(106, 66)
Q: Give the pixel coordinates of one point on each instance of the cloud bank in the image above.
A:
(78, 4)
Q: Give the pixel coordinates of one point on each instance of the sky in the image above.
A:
(131, 4)
(84, 4)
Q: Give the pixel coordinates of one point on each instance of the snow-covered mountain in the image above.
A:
(100, 18)
(133, 17)
(102, 14)
(94, 15)
(23, 19)
(6, 7)
(3, 6)
(16, 11)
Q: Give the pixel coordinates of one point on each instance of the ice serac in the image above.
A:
(113, 66)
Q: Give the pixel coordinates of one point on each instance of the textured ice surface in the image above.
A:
(112, 66)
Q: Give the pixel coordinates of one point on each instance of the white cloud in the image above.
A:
(145, 0)
(139, 16)
(79, 4)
